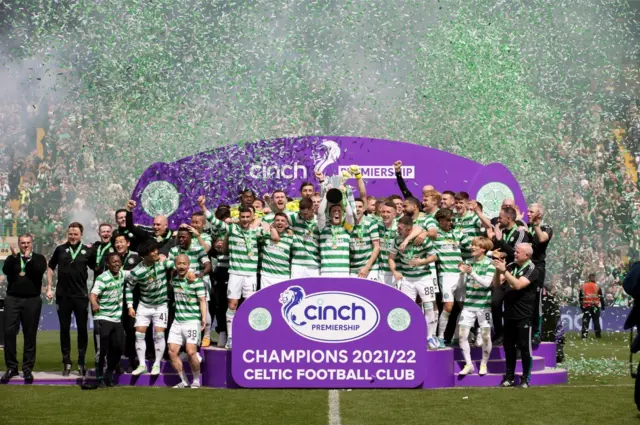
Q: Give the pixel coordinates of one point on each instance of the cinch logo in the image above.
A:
(324, 155)
(266, 172)
(331, 316)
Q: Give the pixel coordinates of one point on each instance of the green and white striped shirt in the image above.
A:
(448, 247)
(476, 296)
(387, 237)
(152, 281)
(197, 256)
(243, 245)
(109, 290)
(470, 225)
(206, 238)
(412, 252)
(306, 240)
(276, 256)
(334, 250)
(186, 295)
(362, 237)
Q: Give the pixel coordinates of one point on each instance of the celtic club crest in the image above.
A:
(160, 198)
(491, 196)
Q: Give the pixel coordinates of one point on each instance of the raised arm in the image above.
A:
(406, 193)
(322, 214)
(218, 225)
(350, 211)
(135, 230)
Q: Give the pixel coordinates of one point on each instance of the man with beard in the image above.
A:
(276, 266)
(365, 244)
(243, 257)
(73, 260)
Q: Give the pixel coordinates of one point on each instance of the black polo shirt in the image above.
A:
(539, 248)
(72, 274)
(99, 265)
(519, 304)
(29, 285)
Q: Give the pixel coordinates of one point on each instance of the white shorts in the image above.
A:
(299, 272)
(424, 287)
(241, 286)
(266, 281)
(434, 276)
(334, 274)
(159, 314)
(386, 278)
(468, 318)
(373, 274)
(184, 333)
(453, 287)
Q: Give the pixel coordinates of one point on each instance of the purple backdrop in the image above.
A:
(172, 188)
(329, 333)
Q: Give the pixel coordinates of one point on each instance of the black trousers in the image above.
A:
(588, 314)
(220, 282)
(517, 335)
(23, 312)
(537, 308)
(80, 309)
(497, 297)
(111, 337)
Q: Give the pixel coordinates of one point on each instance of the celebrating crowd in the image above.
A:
(156, 287)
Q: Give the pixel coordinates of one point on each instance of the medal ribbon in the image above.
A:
(511, 233)
(247, 241)
(520, 269)
(22, 265)
(101, 250)
(334, 235)
(74, 254)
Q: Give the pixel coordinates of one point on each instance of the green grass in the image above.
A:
(599, 392)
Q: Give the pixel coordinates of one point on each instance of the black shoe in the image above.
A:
(28, 377)
(102, 383)
(507, 383)
(67, 370)
(498, 341)
(82, 370)
(524, 384)
(108, 379)
(536, 340)
(8, 375)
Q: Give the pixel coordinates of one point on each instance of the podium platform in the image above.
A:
(442, 370)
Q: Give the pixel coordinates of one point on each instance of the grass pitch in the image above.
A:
(600, 391)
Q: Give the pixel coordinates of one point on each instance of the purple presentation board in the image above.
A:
(172, 189)
(329, 333)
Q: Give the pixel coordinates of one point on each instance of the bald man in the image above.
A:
(159, 231)
(518, 280)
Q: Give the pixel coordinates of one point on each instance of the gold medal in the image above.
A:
(250, 254)
(22, 273)
(334, 246)
(159, 239)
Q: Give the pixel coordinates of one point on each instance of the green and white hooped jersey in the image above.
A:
(448, 247)
(276, 256)
(306, 242)
(387, 237)
(429, 221)
(108, 288)
(477, 297)
(186, 295)
(152, 281)
(412, 252)
(361, 243)
(470, 225)
(334, 249)
(197, 256)
(243, 245)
